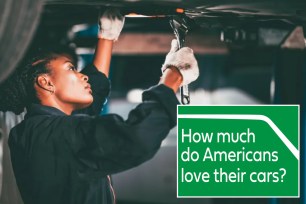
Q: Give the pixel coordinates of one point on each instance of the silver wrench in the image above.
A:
(180, 27)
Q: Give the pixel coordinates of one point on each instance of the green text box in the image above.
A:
(238, 151)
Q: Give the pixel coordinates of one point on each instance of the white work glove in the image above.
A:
(110, 24)
(184, 60)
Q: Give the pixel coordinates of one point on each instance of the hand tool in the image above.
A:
(180, 25)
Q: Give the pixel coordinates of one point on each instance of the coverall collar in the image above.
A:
(37, 109)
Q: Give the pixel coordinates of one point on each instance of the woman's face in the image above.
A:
(70, 86)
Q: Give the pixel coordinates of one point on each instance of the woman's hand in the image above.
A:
(111, 24)
(180, 67)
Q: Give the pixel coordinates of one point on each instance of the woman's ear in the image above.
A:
(44, 82)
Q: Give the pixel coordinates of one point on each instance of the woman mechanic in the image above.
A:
(60, 156)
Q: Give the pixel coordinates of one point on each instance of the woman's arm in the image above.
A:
(109, 144)
(172, 78)
(110, 26)
(103, 54)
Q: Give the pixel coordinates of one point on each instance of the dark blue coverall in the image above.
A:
(61, 159)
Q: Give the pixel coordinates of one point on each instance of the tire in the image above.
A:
(18, 22)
